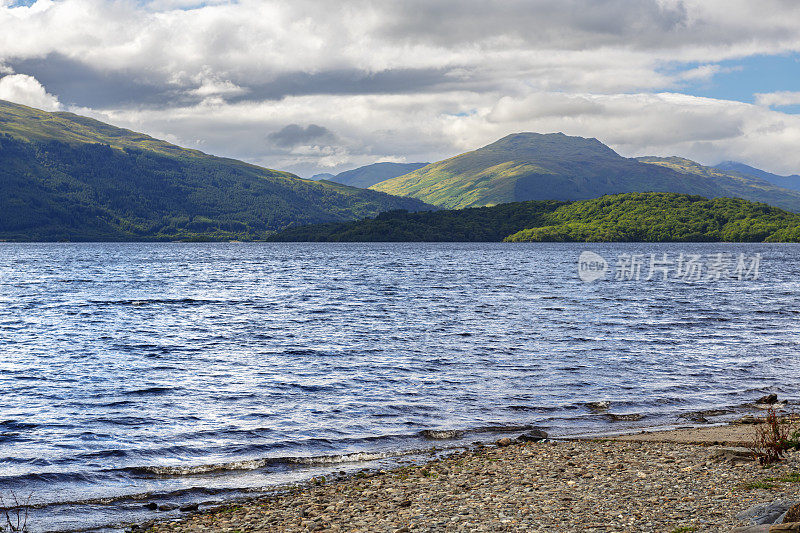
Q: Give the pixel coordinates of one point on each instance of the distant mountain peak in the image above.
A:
(552, 145)
(369, 175)
(789, 182)
(323, 176)
(747, 169)
(554, 166)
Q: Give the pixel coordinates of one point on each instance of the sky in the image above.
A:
(314, 86)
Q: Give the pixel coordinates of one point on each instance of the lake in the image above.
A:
(175, 374)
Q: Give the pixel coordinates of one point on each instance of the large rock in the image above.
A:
(793, 514)
(734, 455)
(786, 527)
(168, 507)
(749, 419)
(766, 528)
(534, 435)
(767, 513)
(769, 399)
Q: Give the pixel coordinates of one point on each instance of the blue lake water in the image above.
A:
(138, 373)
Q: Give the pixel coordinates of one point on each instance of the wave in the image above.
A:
(157, 301)
(16, 425)
(150, 390)
(48, 478)
(139, 497)
(256, 464)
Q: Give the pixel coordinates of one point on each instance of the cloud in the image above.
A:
(277, 48)
(79, 83)
(411, 79)
(216, 87)
(296, 135)
(434, 126)
(26, 90)
(541, 105)
(778, 99)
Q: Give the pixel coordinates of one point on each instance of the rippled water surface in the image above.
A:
(195, 372)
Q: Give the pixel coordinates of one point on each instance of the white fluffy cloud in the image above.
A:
(780, 98)
(26, 90)
(408, 79)
(425, 127)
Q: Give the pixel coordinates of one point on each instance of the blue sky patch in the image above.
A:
(741, 79)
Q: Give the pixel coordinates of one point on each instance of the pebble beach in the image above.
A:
(667, 482)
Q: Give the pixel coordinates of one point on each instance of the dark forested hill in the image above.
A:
(532, 166)
(653, 217)
(66, 177)
(475, 224)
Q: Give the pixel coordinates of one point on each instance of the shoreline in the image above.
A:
(156, 507)
(654, 480)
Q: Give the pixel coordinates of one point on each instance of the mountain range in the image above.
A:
(788, 182)
(533, 166)
(369, 175)
(68, 177)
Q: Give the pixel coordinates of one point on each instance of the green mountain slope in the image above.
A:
(654, 217)
(665, 217)
(532, 166)
(369, 175)
(729, 183)
(66, 177)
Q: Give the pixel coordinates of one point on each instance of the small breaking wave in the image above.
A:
(256, 464)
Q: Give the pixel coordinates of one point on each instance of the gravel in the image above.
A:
(594, 485)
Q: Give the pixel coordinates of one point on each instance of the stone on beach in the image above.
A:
(793, 514)
(439, 434)
(769, 399)
(788, 527)
(534, 435)
(734, 454)
(770, 528)
(767, 513)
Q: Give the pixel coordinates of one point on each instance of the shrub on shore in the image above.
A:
(14, 513)
(774, 436)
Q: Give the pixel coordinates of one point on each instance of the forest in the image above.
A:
(631, 217)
